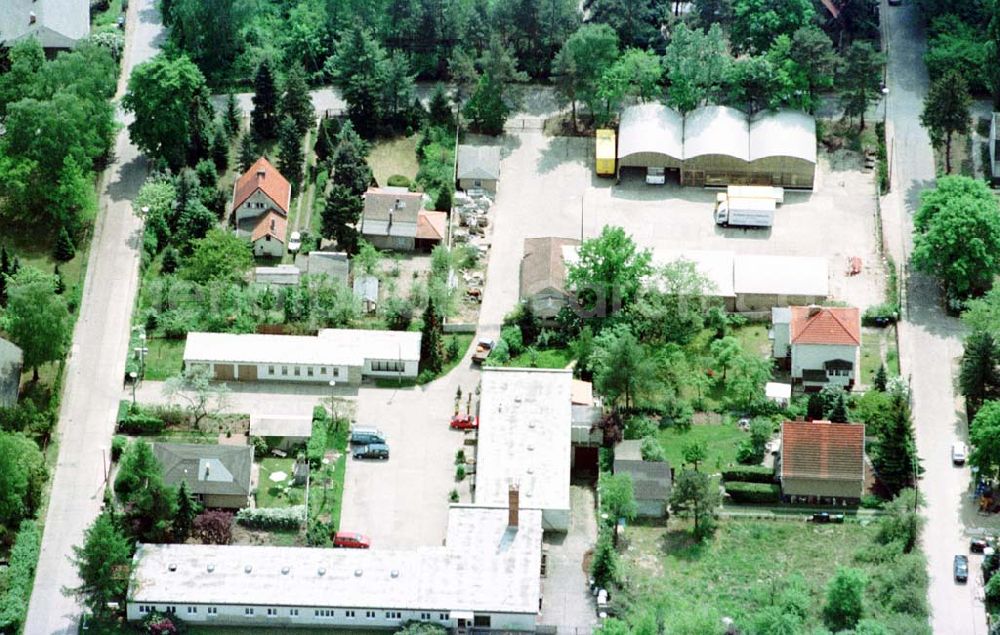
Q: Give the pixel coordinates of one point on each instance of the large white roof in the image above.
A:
(786, 133)
(56, 24)
(349, 347)
(652, 128)
(716, 266)
(525, 422)
(782, 275)
(485, 566)
(716, 130)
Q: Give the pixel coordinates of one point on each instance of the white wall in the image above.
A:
(812, 356)
(338, 373)
(269, 246)
(781, 340)
(257, 204)
(236, 615)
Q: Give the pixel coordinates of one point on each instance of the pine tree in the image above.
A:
(432, 340)
(814, 407)
(220, 148)
(64, 249)
(439, 108)
(60, 283)
(350, 167)
(880, 378)
(895, 453)
(978, 378)
(838, 412)
(295, 100)
(326, 136)
(171, 260)
(187, 509)
(946, 111)
(340, 217)
(233, 117)
(102, 564)
(358, 70)
(290, 152)
(264, 116)
(248, 152)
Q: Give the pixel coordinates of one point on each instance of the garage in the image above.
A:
(224, 372)
(248, 372)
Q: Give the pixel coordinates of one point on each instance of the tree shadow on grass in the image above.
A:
(682, 544)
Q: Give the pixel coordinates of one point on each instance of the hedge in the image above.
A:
(272, 518)
(20, 576)
(141, 424)
(744, 492)
(316, 445)
(749, 474)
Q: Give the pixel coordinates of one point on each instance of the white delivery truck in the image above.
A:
(743, 212)
(757, 191)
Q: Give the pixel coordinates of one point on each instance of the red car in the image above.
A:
(464, 422)
(351, 540)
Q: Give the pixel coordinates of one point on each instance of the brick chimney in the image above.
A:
(513, 505)
(814, 310)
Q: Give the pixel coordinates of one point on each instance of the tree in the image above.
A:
(901, 521)
(895, 455)
(340, 216)
(695, 495)
(844, 599)
(296, 102)
(813, 52)
(984, 433)
(247, 152)
(486, 109)
(960, 244)
(724, 351)
(264, 116)
(169, 98)
(102, 563)
(64, 249)
(652, 450)
(36, 318)
(75, 201)
(220, 148)
(757, 22)
(210, 31)
(494, 76)
(187, 511)
(604, 565)
(698, 63)
(25, 59)
(880, 379)
(194, 387)
(582, 62)
(946, 111)
(617, 498)
(694, 453)
(22, 476)
(398, 92)
(624, 370)
(608, 272)
(637, 74)
(439, 109)
(978, 378)
(636, 22)
(350, 166)
(233, 117)
(358, 70)
(220, 255)
(290, 157)
(214, 527)
(837, 412)
(860, 80)
(432, 340)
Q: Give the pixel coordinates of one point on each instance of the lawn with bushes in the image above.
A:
(720, 439)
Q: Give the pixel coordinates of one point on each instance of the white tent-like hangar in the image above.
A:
(719, 146)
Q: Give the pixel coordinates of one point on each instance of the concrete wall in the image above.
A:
(813, 356)
(395, 243)
(257, 204)
(555, 519)
(269, 246)
(287, 372)
(490, 185)
(320, 617)
(748, 302)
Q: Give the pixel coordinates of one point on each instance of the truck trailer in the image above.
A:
(757, 191)
(743, 212)
(605, 152)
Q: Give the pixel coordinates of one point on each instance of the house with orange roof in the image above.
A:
(821, 346)
(822, 462)
(261, 199)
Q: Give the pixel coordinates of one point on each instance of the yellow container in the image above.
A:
(605, 152)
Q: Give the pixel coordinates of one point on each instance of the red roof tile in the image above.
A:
(263, 176)
(822, 450)
(431, 225)
(826, 325)
(272, 223)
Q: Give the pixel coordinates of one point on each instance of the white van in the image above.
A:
(958, 453)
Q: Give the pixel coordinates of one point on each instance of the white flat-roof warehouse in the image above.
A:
(525, 420)
(338, 354)
(487, 573)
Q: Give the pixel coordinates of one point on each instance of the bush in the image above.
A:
(459, 472)
(515, 341)
(453, 496)
(118, 443)
(316, 446)
(749, 474)
(880, 315)
(140, 423)
(748, 492)
(214, 527)
(652, 450)
(19, 576)
(869, 501)
(272, 518)
(640, 427)
(398, 180)
(460, 457)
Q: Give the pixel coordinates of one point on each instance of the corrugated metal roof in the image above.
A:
(652, 128)
(716, 130)
(786, 133)
(348, 347)
(781, 275)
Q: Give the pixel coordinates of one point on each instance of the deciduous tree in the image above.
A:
(195, 388)
(624, 370)
(984, 433)
(697, 64)
(845, 599)
(978, 378)
(22, 476)
(36, 318)
(757, 22)
(214, 527)
(609, 271)
(581, 64)
(694, 494)
(220, 255)
(102, 563)
(946, 111)
(617, 497)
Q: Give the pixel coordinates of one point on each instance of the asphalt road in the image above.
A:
(930, 341)
(96, 362)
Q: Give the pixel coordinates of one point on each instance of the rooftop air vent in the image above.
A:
(358, 573)
(394, 573)
(285, 570)
(210, 567)
(248, 568)
(172, 567)
(321, 571)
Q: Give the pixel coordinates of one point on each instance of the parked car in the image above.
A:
(120, 22)
(483, 348)
(351, 540)
(958, 453)
(464, 422)
(978, 545)
(961, 567)
(827, 517)
(295, 242)
(372, 451)
(364, 436)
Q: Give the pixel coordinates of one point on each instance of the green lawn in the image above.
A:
(164, 359)
(547, 358)
(754, 338)
(394, 156)
(326, 492)
(105, 20)
(275, 494)
(871, 356)
(721, 440)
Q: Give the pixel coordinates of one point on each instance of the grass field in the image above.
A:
(164, 359)
(871, 353)
(547, 358)
(754, 338)
(326, 493)
(721, 440)
(394, 156)
(275, 494)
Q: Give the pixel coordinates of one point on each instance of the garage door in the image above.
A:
(224, 372)
(248, 372)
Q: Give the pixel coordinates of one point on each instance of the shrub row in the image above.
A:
(140, 423)
(744, 492)
(272, 518)
(748, 474)
(19, 577)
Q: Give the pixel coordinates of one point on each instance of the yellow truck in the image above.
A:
(605, 152)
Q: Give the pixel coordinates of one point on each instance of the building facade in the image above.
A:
(821, 346)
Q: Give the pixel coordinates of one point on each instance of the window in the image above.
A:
(248, 610)
(271, 612)
(270, 370)
(170, 609)
(482, 621)
(145, 608)
(322, 370)
(212, 610)
(370, 614)
(425, 616)
(393, 615)
(336, 372)
(387, 366)
(192, 610)
(284, 370)
(477, 183)
(298, 371)
(309, 371)
(442, 616)
(349, 614)
(293, 612)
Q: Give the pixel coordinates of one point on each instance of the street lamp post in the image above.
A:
(133, 375)
(333, 395)
(141, 350)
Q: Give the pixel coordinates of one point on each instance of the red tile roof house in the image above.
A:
(394, 218)
(822, 344)
(822, 462)
(261, 199)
